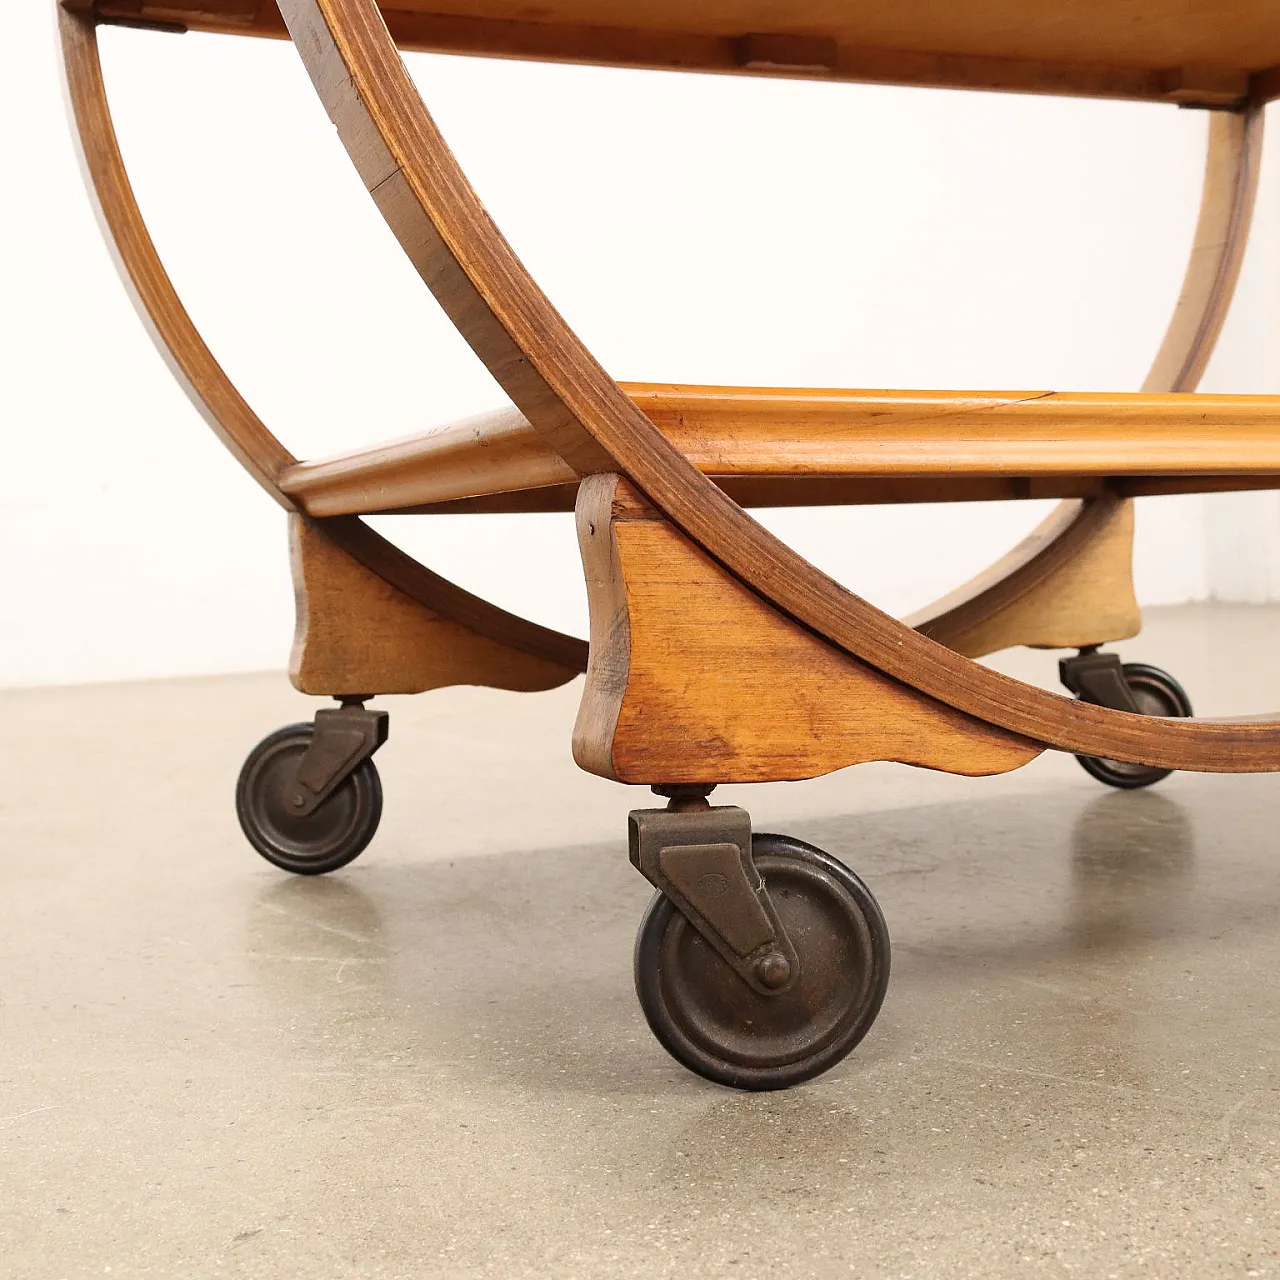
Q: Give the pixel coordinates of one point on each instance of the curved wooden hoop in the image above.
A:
(571, 400)
(1222, 232)
(213, 393)
(1213, 268)
(141, 270)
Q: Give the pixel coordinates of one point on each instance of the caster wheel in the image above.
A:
(324, 840)
(712, 1022)
(1157, 693)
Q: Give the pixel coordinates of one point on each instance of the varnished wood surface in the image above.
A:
(1195, 51)
(693, 678)
(453, 243)
(358, 634)
(751, 431)
(497, 452)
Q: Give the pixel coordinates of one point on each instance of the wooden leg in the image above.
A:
(693, 678)
(358, 634)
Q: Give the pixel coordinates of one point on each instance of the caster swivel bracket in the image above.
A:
(701, 860)
(342, 739)
(1098, 678)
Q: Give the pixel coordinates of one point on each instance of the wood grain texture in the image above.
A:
(444, 228)
(1182, 51)
(784, 431)
(1067, 585)
(693, 678)
(774, 432)
(357, 634)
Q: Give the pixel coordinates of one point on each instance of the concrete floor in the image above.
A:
(433, 1064)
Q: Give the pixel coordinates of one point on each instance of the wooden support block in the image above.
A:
(1205, 86)
(694, 678)
(1067, 585)
(356, 633)
(812, 54)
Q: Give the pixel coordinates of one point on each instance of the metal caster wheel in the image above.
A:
(712, 1022)
(1156, 693)
(329, 836)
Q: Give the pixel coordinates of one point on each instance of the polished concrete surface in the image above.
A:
(433, 1064)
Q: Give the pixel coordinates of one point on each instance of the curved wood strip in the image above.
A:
(212, 392)
(153, 294)
(1217, 250)
(442, 225)
(1213, 268)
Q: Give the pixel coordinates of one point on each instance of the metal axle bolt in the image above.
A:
(773, 970)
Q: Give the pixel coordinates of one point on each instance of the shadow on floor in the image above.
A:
(520, 963)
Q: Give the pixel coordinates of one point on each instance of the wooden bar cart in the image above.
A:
(717, 654)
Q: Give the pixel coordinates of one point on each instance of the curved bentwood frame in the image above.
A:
(587, 419)
(216, 397)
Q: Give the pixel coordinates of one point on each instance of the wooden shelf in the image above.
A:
(787, 447)
(1202, 52)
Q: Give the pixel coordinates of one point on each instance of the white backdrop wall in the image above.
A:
(691, 228)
